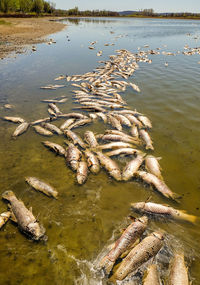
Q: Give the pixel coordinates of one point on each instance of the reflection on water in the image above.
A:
(82, 221)
(77, 21)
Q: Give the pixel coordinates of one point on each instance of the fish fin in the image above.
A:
(31, 209)
(148, 199)
(7, 195)
(190, 218)
(12, 217)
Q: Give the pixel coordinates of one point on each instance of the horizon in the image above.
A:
(130, 5)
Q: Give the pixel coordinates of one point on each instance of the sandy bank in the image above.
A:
(17, 33)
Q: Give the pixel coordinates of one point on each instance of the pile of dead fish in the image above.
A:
(127, 134)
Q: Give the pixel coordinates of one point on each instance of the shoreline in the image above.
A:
(17, 34)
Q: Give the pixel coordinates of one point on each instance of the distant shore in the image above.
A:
(17, 34)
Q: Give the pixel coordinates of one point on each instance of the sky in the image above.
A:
(135, 5)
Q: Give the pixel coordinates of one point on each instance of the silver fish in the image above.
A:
(41, 186)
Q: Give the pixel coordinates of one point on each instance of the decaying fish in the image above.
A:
(157, 183)
(54, 108)
(52, 128)
(93, 162)
(123, 151)
(14, 119)
(110, 165)
(146, 138)
(40, 130)
(123, 138)
(115, 123)
(135, 87)
(58, 149)
(114, 145)
(129, 236)
(73, 156)
(131, 167)
(41, 186)
(179, 271)
(145, 121)
(151, 276)
(82, 172)
(24, 218)
(141, 253)
(73, 115)
(22, 128)
(160, 210)
(75, 138)
(4, 217)
(67, 123)
(38, 122)
(90, 139)
(134, 131)
(79, 123)
(152, 165)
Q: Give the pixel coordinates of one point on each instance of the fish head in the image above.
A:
(138, 206)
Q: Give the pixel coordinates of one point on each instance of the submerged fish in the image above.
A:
(179, 272)
(58, 149)
(67, 123)
(162, 211)
(157, 183)
(24, 218)
(131, 167)
(114, 145)
(40, 130)
(151, 276)
(4, 217)
(73, 156)
(110, 165)
(141, 253)
(82, 172)
(41, 186)
(75, 138)
(22, 128)
(123, 151)
(129, 236)
(52, 128)
(14, 119)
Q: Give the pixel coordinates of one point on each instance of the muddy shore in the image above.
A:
(18, 34)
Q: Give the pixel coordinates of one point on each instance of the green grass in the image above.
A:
(3, 22)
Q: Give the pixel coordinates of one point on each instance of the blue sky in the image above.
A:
(120, 5)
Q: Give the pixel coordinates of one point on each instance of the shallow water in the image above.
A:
(81, 222)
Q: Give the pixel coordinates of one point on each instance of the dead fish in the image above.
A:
(131, 167)
(124, 151)
(82, 172)
(75, 138)
(55, 101)
(152, 165)
(129, 236)
(91, 108)
(58, 149)
(151, 276)
(90, 139)
(141, 253)
(8, 106)
(145, 121)
(4, 217)
(14, 119)
(133, 120)
(52, 128)
(135, 87)
(110, 165)
(123, 138)
(146, 138)
(115, 145)
(41, 186)
(73, 156)
(66, 124)
(22, 128)
(93, 162)
(179, 272)
(134, 131)
(114, 122)
(53, 87)
(150, 208)
(60, 77)
(80, 123)
(37, 122)
(123, 120)
(99, 53)
(102, 116)
(73, 115)
(40, 130)
(51, 112)
(157, 183)
(24, 218)
(54, 108)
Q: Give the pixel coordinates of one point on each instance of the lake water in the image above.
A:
(82, 221)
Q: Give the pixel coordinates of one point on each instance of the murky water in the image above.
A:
(82, 221)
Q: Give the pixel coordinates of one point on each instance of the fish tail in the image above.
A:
(190, 218)
(107, 265)
(7, 195)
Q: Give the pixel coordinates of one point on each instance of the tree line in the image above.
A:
(27, 6)
(88, 13)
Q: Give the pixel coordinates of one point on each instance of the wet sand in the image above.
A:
(17, 34)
